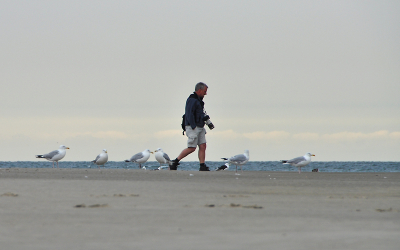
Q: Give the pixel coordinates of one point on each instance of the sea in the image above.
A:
(328, 166)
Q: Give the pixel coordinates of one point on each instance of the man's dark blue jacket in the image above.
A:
(194, 113)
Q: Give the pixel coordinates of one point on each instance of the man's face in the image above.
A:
(202, 92)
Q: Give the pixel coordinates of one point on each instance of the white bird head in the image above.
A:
(247, 153)
(309, 154)
(158, 150)
(63, 147)
(148, 151)
(105, 150)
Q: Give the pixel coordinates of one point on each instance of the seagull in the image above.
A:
(140, 158)
(162, 157)
(239, 160)
(299, 161)
(55, 155)
(223, 167)
(101, 159)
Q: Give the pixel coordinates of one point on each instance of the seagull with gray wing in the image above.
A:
(299, 162)
(239, 160)
(162, 157)
(141, 157)
(101, 159)
(55, 155)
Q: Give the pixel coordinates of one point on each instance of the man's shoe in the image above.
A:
(203, 167)
(174, 165)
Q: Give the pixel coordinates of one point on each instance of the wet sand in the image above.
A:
(142, 209)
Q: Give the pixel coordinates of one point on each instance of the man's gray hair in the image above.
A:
(200, 85)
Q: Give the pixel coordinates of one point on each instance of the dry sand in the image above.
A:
(141, 209)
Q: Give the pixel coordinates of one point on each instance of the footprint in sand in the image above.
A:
(238, 205)
(9, 194)
(91, 206)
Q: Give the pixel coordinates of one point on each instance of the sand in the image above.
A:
(142, 209)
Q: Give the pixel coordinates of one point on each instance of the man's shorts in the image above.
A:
(195, 136)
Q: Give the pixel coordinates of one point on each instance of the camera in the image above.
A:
(207, 120)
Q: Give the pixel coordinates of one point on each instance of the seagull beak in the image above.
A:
(67, 147)
(312, 155)
(151, 152)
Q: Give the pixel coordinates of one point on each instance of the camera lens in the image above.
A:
(209, 124)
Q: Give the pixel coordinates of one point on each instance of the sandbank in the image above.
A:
(142, 209)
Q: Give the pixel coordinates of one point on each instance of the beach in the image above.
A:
(142, 209)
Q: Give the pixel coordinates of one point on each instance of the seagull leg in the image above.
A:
(57, 164)
(299, 170)
(236, 173)
(53, 164)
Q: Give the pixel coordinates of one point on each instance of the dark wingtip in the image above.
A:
(127, 160)
(223, 167)
(224, 159)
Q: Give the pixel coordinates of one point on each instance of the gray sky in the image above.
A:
(284, 77)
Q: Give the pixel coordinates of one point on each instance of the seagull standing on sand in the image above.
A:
(299, 162)
(140, 158)
(239, 160)
(55, 155)
(101, 159)
(162, 157)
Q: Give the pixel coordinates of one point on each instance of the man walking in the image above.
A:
(194, 124)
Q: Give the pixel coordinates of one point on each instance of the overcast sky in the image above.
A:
(284, 77)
